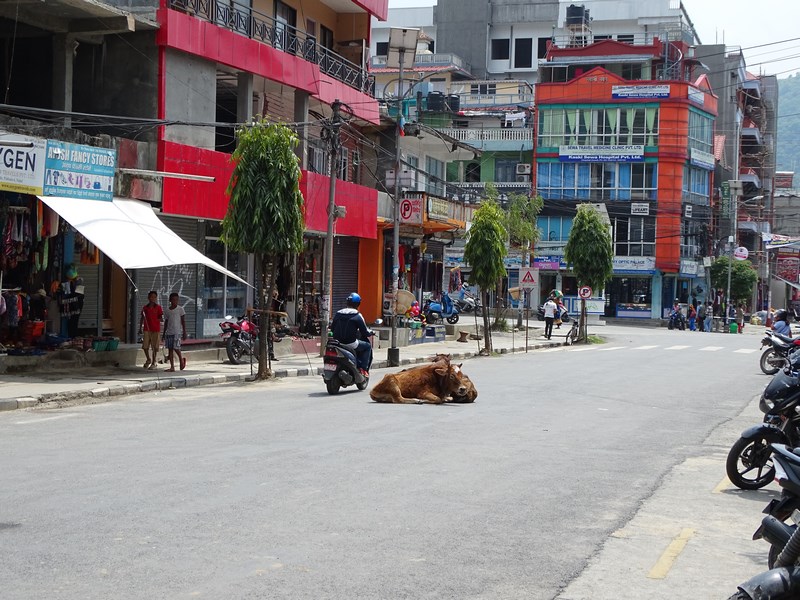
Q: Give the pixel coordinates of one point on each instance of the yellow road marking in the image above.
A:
(670, 555)
(722, 485)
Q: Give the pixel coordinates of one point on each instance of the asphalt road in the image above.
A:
(281, 491)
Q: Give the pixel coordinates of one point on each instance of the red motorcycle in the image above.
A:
(240, 337)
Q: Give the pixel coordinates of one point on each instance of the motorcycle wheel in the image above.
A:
(767, 363)
(235, 349)
(754, 454)
(740, 596)
(333, 386)
(453, 319)
(670, 325)
(363, 386)
(682, 325)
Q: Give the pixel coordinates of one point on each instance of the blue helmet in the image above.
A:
(354, 299)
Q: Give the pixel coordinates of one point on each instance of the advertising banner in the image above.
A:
(701, 159)
(22, 169)
(639, 91)
(79, 171)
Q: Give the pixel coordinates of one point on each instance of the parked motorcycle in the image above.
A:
(775, 357)
(564, 314)
(240, 338)
(466, 301)
(436, 311)
(339, 368)
(676, 320)
(749, 465)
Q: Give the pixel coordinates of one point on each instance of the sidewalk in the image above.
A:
(93, 384)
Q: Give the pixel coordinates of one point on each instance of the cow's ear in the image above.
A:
(459, 365)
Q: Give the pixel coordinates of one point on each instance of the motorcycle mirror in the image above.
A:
(378, 322)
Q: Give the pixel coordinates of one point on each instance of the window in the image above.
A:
(317, 158)
(413, 164)
(597, 181)
(435, 170)
(634, 236)
(344, 165)
(696, 187)
(631, 125)
(541, 47)
(523, 53)
(625, 38)
(382, 49)
(691, 238)
(554, 229)
(484, 89)
(600, 38)
(501, 49)
(701, 132)
(224, 296)
(325, 37)
(505, 169)
(632, 72)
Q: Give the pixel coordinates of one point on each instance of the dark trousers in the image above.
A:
(364, 355)
(548, 327)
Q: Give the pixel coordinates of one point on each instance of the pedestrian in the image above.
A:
(174, 332)
(692, 314)
(709, 316)
(150, 327)
(550, 309)
(560, 312)
(740, 317)
(701, 317)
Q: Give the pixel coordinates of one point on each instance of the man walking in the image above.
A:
(175, 331)
(701, 317)
(150, 326)
(550, 309)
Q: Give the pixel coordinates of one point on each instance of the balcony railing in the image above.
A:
(279, 35)
(445, 59)
(490, 134)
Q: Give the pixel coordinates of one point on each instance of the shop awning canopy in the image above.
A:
(130, 233)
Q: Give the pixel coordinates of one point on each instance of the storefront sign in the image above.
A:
(688, 267)
(788, 266)
(634, 264)
(741, 253)
(633, 153)
(640, 208)
(639, 91)
(438, 208)
(22, 169)
(79, 171)
(701, 159)
(548, 263)
(411, 210)
(697, 96)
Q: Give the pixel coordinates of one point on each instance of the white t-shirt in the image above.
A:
(173, 318)
(550, 309)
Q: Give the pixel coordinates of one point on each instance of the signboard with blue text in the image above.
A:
(639, 91)
(630, 153)
(79, 171)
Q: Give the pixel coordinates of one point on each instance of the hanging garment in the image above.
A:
(13, 308)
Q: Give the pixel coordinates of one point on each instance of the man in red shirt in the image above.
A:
(150, 326)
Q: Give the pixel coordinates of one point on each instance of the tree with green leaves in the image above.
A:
(521, 213)
(590, 253)
(484, 253)
(265, 214)
(743, 277)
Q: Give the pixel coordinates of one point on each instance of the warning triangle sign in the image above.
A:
(528, 277)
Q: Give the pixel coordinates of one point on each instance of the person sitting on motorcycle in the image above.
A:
(348, 326)
(781, 324)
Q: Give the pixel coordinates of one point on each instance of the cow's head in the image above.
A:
(441, 358)
(452, 380)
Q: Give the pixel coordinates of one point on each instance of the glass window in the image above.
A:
(634, 236)
(597, 181)
(501, 49)
(598, 126)
(523, 53)
(436, 175)
(223, 295)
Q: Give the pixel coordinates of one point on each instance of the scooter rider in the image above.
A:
(348, 326)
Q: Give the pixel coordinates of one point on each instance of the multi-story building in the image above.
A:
(629, 125)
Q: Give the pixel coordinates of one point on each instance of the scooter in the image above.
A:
(446, 309)
(339, 368)
(240, 338)
(466, 302)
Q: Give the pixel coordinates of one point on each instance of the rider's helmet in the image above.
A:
(782, 315)
(353, 300)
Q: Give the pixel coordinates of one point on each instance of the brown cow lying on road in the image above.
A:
(432, 383)
(470, 392)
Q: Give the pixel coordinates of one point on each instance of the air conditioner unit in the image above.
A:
(523, 178)
(523, 169)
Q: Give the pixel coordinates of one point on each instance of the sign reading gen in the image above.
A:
(22, 169)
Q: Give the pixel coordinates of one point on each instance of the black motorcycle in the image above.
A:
(782, 581)
(340, 369)
(775, 357)
(676, 321)
(749, 465)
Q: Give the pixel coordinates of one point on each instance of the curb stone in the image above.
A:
(213, 379)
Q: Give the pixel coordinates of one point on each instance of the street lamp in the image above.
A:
(401, 52)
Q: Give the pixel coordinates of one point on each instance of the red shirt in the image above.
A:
(152, 317)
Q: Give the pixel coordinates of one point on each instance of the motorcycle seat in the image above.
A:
(784, 338)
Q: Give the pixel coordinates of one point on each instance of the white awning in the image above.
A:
(130, 233)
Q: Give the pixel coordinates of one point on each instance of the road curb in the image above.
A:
(167, 383)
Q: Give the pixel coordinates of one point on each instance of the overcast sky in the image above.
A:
(742, 23)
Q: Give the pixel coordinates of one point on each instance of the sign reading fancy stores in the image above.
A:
(22, 169)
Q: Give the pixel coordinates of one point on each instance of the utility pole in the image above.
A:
(331, 134)
(393, 354)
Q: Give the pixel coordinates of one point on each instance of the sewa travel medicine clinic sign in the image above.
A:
(22, 169)
(79, 171)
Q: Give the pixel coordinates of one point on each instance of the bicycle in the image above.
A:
(572, 334)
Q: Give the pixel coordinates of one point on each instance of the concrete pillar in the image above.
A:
(301, 116)
(655, 296)
(244, 97)
(64, 48)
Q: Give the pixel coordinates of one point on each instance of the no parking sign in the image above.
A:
(585, 292)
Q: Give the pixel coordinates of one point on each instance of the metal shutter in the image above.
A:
(345, 270)
(180, 278)
(91, 283)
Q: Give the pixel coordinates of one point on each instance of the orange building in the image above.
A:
(627, 127)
